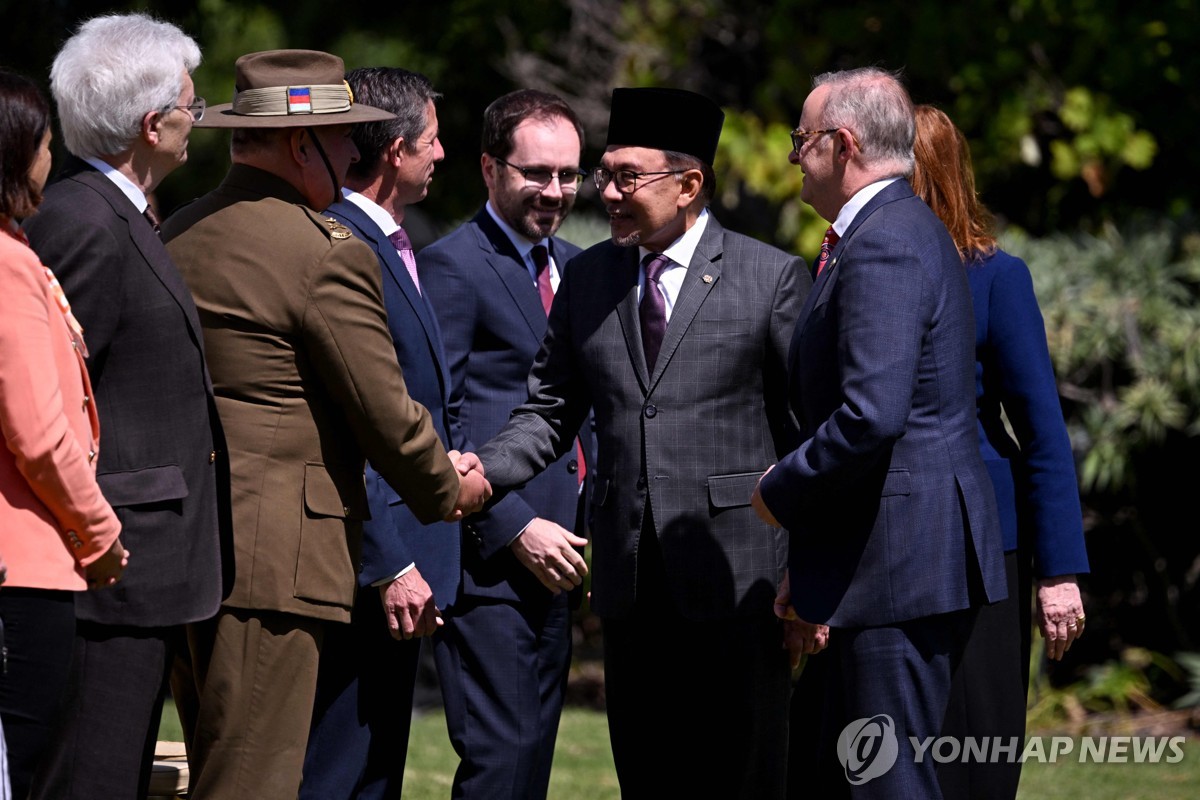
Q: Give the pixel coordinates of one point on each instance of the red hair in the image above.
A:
(944, 179)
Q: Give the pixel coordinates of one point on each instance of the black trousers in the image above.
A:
(39, 628)
(695, 708)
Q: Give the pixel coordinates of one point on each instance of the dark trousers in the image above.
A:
(695, 708)
(105, 736)
(988, 696)
(360, 724)
(503, 670)
(39, 630)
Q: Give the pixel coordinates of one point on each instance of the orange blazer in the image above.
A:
(53, 519)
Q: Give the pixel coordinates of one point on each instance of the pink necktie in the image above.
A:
(541, 260)
(403, 245)
(827, 245)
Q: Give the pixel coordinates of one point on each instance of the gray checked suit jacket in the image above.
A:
(686, 443)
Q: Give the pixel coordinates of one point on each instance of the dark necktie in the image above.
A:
(541, 260)
(403, 245)
(653, 309)
(152, 218)
(827, 245)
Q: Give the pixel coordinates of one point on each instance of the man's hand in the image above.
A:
(799, 637)
(1060, 614)
(408, 606)
(106, 570)
(548, 551)
(760, 506)
(473, 488)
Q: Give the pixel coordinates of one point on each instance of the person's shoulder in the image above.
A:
(464, 236)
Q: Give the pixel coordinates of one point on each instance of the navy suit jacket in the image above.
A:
(687, 440)
(1036, 490)
(889, 506)
(394, 538)
(161, 446)
(492, 317)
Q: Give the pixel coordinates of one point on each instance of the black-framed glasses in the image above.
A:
(195, 110)
(801, 137)
(626, 179)
(539, 178)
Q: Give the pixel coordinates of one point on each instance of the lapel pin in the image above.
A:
(707, 279)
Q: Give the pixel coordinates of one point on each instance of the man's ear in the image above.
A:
(151, 122)
(297, 146)
(847, 145)
(690, 184)
(396, 152)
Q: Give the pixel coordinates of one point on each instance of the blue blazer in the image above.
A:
(493, 321)
(888, 503)
(1034, 477)
(394, 538)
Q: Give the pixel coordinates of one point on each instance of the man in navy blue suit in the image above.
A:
(360, 730)
(893, 523)
(504, 653)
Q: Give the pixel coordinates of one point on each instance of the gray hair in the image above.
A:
(875, 106)
(114, 70)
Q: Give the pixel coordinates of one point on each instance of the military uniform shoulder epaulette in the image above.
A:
(336, 229)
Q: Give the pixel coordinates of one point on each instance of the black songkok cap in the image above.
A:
(665, 119)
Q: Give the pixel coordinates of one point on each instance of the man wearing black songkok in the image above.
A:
(676, 334)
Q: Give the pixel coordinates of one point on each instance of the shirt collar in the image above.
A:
(856, 203)
(382, 219)
(682, 249)
(127, 187)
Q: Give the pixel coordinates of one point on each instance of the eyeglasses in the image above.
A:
(537, 178)
(195, 110)
(802, 137)
(626, 178)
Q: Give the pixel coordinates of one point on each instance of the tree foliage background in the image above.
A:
(1081, 116)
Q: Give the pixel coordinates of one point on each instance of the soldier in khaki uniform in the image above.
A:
(307, 386)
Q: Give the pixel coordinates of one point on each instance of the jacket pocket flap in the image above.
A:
(731, 491)
(898, 481)
(136, 487)
(323, 495)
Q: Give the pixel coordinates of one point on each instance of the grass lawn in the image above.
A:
(583, 767)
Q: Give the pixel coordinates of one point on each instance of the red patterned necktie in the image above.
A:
(827, 245)
(403, 245)
(541, 260)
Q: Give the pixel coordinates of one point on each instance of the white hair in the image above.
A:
(114, 70)
(874, 105)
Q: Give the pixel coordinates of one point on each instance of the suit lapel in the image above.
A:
(502, 256)
(626, 274)
(700, 278)
(395, 271)
(147, 242)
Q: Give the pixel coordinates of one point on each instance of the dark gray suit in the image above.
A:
(158, 464)
(683, 572)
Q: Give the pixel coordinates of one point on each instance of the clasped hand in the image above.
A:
(473, 488)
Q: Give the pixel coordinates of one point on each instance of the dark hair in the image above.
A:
(503, 116)
(24, 119)
(406, 94)
(676, 160)
(944, 179)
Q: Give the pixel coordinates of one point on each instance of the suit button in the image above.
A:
(212, 457)
(572, 466)
(641, 482)
(650, 411)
